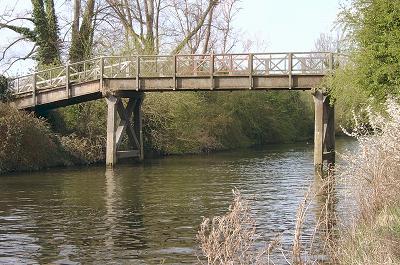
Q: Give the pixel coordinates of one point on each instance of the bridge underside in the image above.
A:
(76, 93)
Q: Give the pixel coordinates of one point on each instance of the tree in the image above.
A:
(148, 24)
(373, 26)
(82, 33)
(42, 31)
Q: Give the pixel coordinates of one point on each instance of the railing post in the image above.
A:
(137, 73)
(331, 61)
(174, 72)
(34, 89)
(231, 64)
(250, 71)
(212, 71)
(101, 73)
(290, 69)
(67, 80)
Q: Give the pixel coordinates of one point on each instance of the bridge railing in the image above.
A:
(159, 66)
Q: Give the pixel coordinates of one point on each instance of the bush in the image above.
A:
(203, 121)
(26, 142)
(83, 150)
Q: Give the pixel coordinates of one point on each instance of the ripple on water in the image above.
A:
(147, 214)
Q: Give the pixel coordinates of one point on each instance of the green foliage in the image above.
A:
(4, 92)
(26, 143)
(373, 69)
(198, 122)
(347, 95)
(375, 31)
(46, 31)
(85, 119)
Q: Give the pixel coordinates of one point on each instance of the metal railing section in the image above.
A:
(158, 66)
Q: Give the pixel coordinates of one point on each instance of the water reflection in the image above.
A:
(110, 200)
(325, 211)
(143, 214)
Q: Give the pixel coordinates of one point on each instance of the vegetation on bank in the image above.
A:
(370, 234)
(371, 42)
(28, 143)
(373, 175)
(174, 123)
(189, 122)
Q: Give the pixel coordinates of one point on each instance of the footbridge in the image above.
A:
(118, 77)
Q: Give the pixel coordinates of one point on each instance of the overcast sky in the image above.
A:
(283, 25)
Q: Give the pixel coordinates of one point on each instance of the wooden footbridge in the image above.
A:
(117, 77)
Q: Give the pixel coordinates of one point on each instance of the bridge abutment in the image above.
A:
(324, 133)
(119, 123)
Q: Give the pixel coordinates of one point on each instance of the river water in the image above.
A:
(149, 213)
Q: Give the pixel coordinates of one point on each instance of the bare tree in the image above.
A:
(149, 24)
(329, 42)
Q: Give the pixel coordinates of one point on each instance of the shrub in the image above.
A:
(26, 142)
(83, 150)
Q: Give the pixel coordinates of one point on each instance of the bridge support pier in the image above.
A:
(324, 133)
(119, 123)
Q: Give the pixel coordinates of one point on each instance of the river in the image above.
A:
(149, 213)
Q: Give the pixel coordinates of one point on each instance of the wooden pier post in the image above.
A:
(133, 129)
(324, 132)
(138, 125)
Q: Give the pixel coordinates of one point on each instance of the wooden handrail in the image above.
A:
(234, 63)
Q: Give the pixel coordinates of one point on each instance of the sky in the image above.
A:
(282, 25)
(287, 25)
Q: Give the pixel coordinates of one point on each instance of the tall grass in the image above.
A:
(231, 238)
(373, 173)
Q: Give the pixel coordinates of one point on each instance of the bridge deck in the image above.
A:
(92, 79)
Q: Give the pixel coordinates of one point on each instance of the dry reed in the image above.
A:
(373, 173)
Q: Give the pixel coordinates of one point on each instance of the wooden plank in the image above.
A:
(290, 69)
(128, 154)
(137, 73)
(212, 84)
(125, 117)
(67, 81)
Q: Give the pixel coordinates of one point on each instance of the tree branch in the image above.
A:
(185, 41)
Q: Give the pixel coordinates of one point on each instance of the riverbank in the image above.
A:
(373, 174)
(185, 123)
